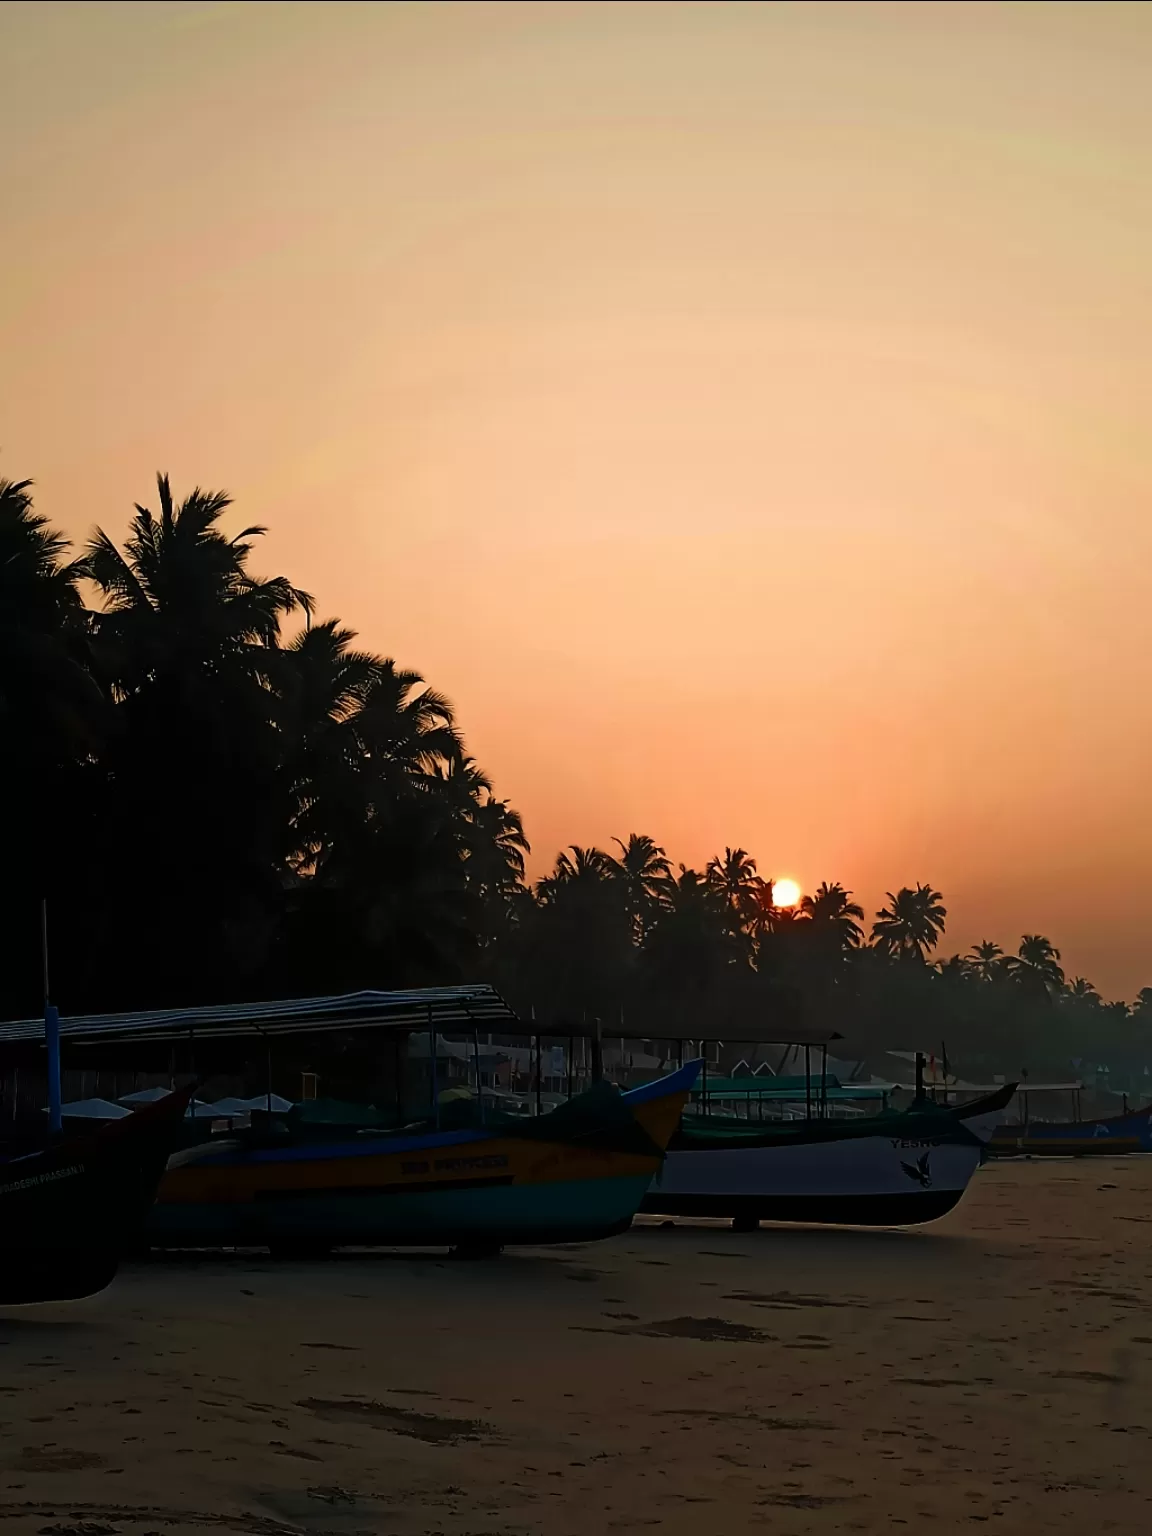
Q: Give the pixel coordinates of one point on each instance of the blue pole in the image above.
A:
(52, 1041)
(51, 1030)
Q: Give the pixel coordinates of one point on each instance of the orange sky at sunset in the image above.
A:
(742, 412)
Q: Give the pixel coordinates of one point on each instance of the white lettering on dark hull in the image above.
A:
(40, 1178)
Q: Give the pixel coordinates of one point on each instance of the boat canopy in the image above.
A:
(327, 1112)
(463, 1008)
(789, 1089)
(744, 1032)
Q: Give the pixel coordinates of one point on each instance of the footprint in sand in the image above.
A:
(50, 1458)
(432, 1428)
(709, 1330)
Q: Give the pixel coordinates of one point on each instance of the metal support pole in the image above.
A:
(51, 1031)
(476, 1063)
(52, 1042)
(807, 1082)
(400, 1053)
(268, 1070)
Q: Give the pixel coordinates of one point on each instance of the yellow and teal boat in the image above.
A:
(574, 1174)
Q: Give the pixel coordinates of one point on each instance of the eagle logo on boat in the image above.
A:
(919, 1171)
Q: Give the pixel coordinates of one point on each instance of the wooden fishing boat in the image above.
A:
(71, 1207)
(1106, 1136)
(894, 1169)
(574, 1174)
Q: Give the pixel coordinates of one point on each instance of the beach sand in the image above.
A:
(993, 1368)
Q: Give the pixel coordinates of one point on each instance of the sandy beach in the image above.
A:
(996, 1367)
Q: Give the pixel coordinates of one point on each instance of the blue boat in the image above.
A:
(1106, 1136)
(577, 1173)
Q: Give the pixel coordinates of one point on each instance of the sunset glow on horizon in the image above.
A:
(557, 344)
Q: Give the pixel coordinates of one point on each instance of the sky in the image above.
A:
(743, 412)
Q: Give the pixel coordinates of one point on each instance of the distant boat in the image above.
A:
(1106, 1136)
(895, 1169)
(572, 1175)
(70, 1207)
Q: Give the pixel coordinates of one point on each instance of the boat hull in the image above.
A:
(68, 1210)
(579, 1211)
(890, 1171)
(1104, 1137)
(863, 1210)
(469, 1187)
(865, 1181)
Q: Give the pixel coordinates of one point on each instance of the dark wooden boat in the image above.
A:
(70, 1207)
(1105, 1136)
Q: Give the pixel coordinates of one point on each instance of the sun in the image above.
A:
(785, 893)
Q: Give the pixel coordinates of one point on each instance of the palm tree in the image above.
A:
(955, 969)
(405, 729)
(643, 865)
(1142, 1007)
(360, 737)
(760, 914)
(38, 586)
(53, 720)
(373, 759)
(578, 935)
(1038, 961)
(196, 802)
(692, 945)
(465, 782)
(1081, 990)
(831, 907)
(180, 603)
(496, 849)
(732, 875)
(911, 923)
(987, 960)
(644, 868)
(49, 703)
(323, 681)
(390, 905)
(321, 685)
(575, 866)
(492, 832)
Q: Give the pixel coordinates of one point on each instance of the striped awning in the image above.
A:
(463, 1008)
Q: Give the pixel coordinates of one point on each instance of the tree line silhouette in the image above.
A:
(222, 797)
